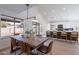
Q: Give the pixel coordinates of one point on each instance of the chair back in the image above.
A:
(50, 47)
(23, 46)
(63, 34)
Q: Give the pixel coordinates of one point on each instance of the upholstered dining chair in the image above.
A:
(23, 47)
(46, 49)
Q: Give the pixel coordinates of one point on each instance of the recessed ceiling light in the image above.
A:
(53, 11)
(45, 13)
(63, 8)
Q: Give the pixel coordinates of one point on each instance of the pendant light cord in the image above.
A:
(27, 10)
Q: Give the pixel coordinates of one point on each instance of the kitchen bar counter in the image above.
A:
(64, 31)
(67, 35)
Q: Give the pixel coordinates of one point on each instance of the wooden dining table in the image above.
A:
(34, 42)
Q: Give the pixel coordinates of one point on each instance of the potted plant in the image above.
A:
(27, 34)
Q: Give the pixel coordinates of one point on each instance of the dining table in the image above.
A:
(34, 42)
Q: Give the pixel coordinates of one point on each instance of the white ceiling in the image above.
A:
(59, 12)
(16, 8)
(50, 12)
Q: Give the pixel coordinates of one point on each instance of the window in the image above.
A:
(10, 27)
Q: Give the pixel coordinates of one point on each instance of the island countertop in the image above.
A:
(64, 31)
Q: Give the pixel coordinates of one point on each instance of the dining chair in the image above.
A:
(46, 49)
(64, 35)
(25, 49)
(14, 45)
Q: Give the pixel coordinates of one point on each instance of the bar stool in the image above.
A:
(59, 35)
(54, 34)
(64, 35)
(48, 33)
(68, 35)
(74, 36)
(51, 34)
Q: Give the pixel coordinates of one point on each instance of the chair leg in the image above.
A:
(28, 50)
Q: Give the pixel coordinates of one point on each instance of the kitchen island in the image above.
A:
(65, 35)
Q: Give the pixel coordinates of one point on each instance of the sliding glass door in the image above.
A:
(7, 26)
(10, 26)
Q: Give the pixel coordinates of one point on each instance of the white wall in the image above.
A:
(34, 12)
